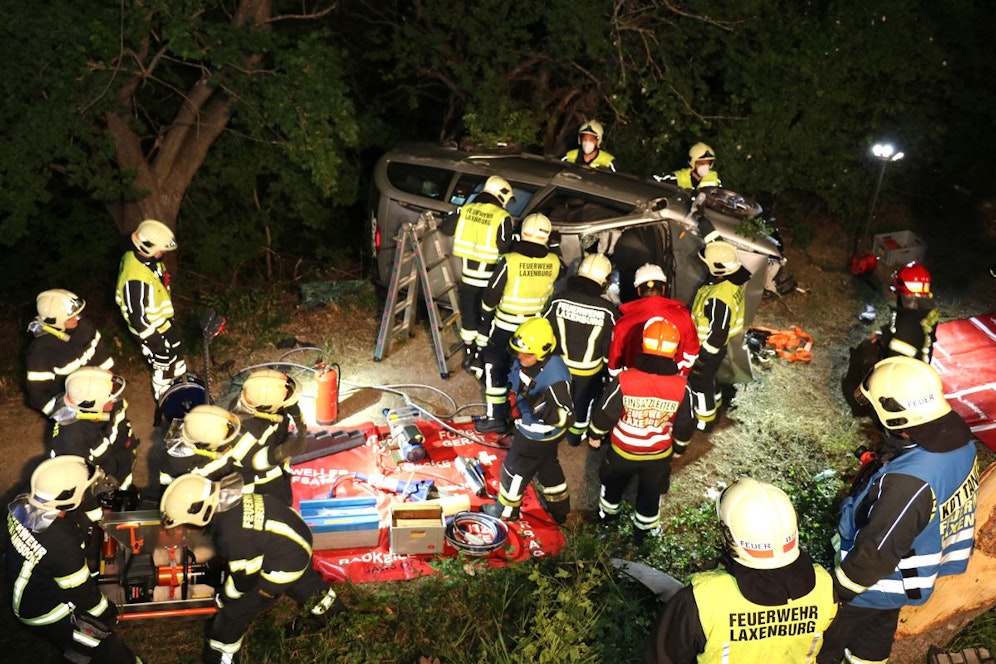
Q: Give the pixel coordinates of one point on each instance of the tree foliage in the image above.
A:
(249, 124)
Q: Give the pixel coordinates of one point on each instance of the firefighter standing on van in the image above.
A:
(911, 520)
(63, 342)
(589, 151)
(143, 296)
(582, 322)
(541, 385)
(518, 290)
(648, 409)
(268, 549)
(267, 406)
(769, 603)
(627, 337)
(483, 232)
(699, 173)
(93, 423)
(54, 591)
(718, 311)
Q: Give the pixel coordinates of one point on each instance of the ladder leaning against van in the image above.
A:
(419, 258)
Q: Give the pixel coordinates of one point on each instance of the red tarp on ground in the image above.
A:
(965, 357)
(535, 534)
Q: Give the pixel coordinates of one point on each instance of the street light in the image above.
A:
(885, 153)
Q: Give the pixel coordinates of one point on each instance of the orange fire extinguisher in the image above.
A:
(327, 398)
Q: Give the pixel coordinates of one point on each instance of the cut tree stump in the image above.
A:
(957, 600)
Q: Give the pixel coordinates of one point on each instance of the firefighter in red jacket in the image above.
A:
(268, 549)
(583, 321)
(648, 409)
(627, 339)
(268, 406)
(63, 342)
(55, 592)
(143, 295)
(93, 423)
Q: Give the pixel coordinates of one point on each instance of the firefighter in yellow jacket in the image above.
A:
(589, 151)
(518, 290)
(770, 603)
(482, 231)
(718, 312)
(143, 296)
(699, 173)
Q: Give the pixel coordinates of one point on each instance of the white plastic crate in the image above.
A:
(899, 247)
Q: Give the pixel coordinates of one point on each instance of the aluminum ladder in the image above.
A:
(419, 257)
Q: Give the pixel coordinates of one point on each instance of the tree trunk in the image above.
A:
(957, 600)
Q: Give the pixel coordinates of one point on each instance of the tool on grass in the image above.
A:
(792, 344)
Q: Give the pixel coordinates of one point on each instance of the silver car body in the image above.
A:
(633, 220)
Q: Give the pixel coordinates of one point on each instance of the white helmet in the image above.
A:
(649, 274)
(760, 525)
(210, 427)
(59, 483)
(499, 188)
(153, 236)
(904, 392)
(189, 499)
(593, 128)
(90, 389)
(700, 152)
(536, 228)
(268, 390)
(58, 305)
(721, 258)
(595, 267)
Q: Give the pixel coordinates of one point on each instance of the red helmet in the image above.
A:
(660, 337)
(911, 279)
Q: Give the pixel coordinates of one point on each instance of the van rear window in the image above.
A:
(419, 180)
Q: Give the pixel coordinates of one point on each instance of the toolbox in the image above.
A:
(417, 528)
(899, 247)
(342, 523)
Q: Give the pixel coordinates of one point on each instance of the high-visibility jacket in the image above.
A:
(941, 548)
(627, 338)
(543, 404)
(144, 299)
(54, 354)
(718, 311)
(582, 323)
(644, 408)
(602, 159)
(265, 463)
(47, 569)
(738, 630)
(683, 178)
(911, 332)
(483, 233)
(520, 287)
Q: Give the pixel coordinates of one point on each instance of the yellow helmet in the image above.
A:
(534, 337)
(536, 228)
(499, 188)
(153, 236)
(721, 258)
(904, 392)
(595, 267)
(58, 305)
(210, 427)
(593, 128)
(759, 523)
(189, 499)
(268, 390)
(700, 152)
(90, 389)
(60, 483)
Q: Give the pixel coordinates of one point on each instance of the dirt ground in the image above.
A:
(802, 399)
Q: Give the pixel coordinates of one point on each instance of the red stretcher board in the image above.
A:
(965, 358)
(534, 535)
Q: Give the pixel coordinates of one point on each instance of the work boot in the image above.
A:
(469, 353)
(491, 425)
(499, 511)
